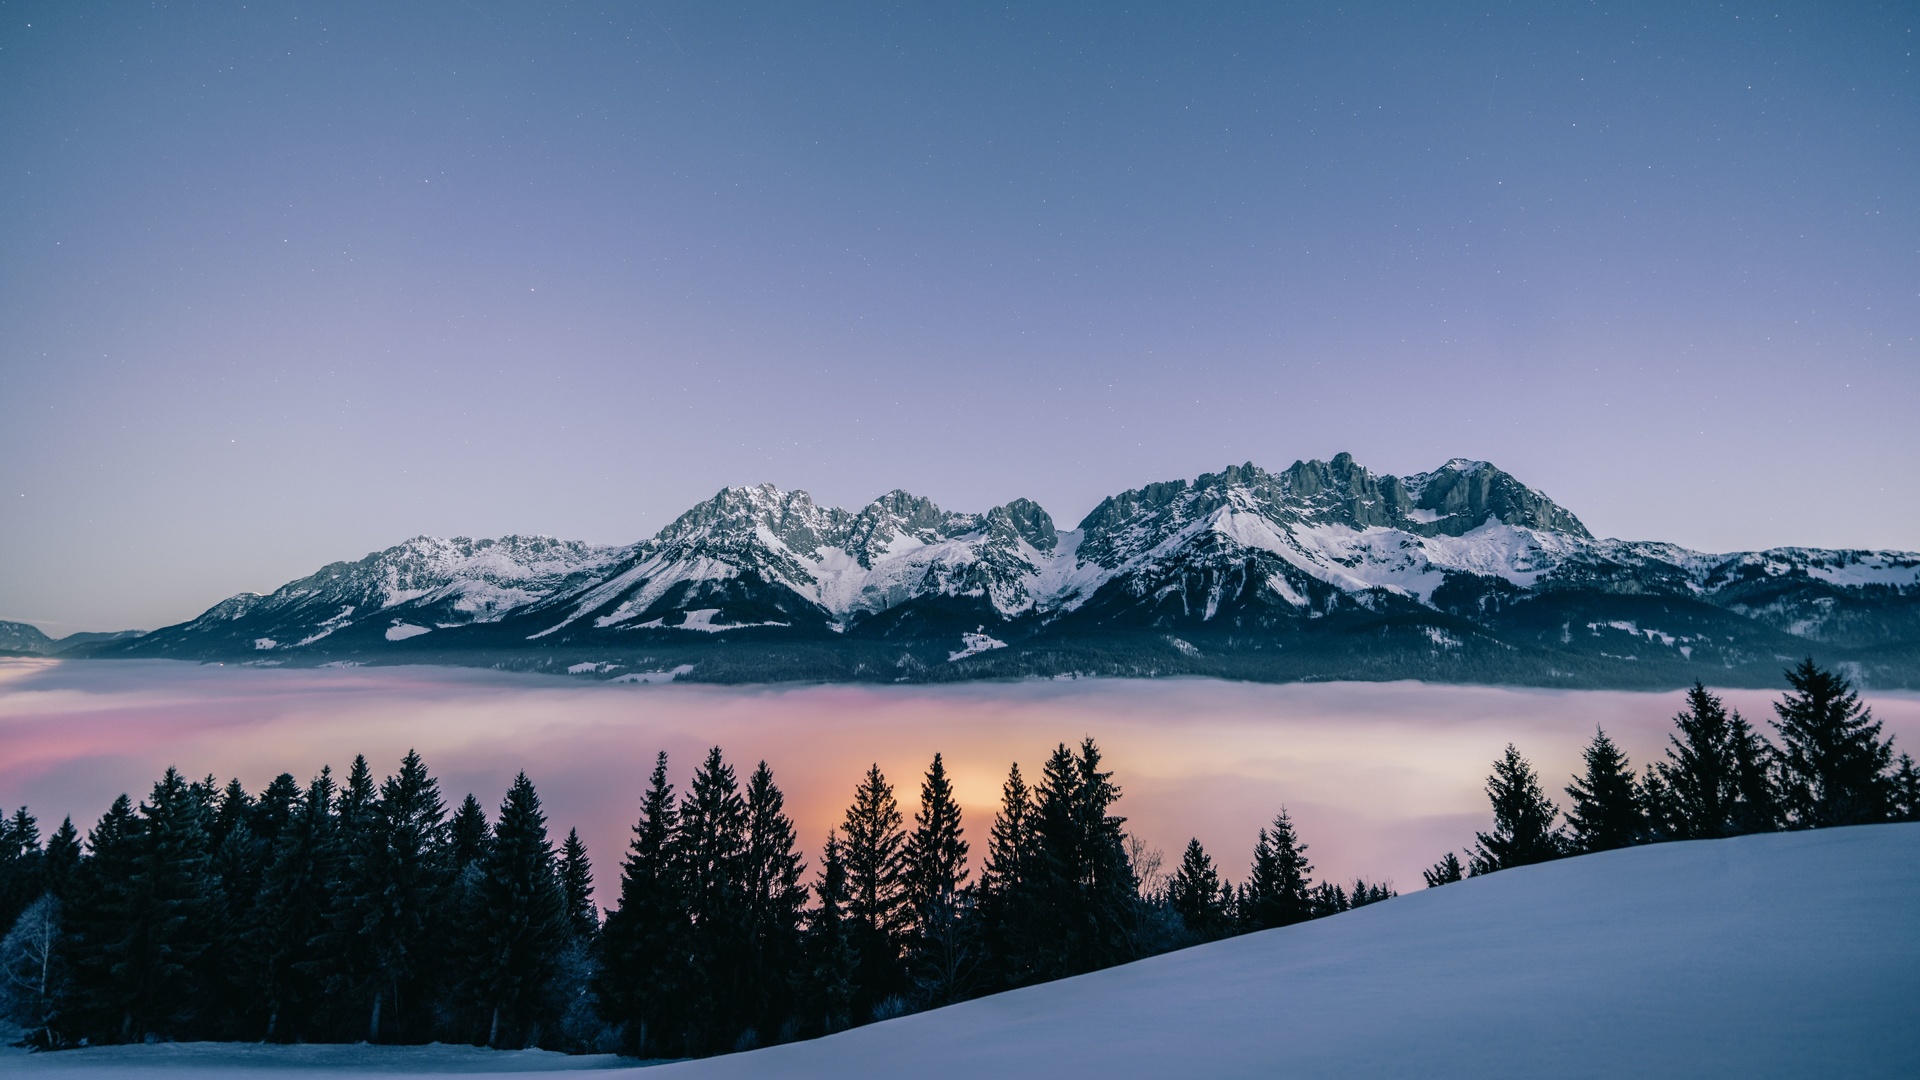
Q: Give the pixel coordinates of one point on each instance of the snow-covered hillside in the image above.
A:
(1786, 955)
(1783, 955)
(1323, 569)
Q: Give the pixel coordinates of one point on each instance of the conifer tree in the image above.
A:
(1010, 840)
(1523, 830)
(1756, 785)
(1197, 895)
(1906, 793)
(20, 866)
(1004, 887)
(522, 920)
(100, 941)
(1326, 899)
(203, 796)
(239, 864)
(1364, 893)
(935, 864)
(1080, 906)
(239, 858)
(1279, 884)
(1715, 780)
(233, 808)
(1605, 809)
(457, 933)
(775, 901)
(284, 964)
(279, 801)
(61, 859)
(170, 904)
(579, 1028)
(712, 846)
(1657, 805)
(1445, 872)
(829, 944)
(1833, 761)
(469, 835)
(872, 845)
(643, 943)
(934, 878)
(405, 865)
(1109, 870)
(576, 880)
(348, 963)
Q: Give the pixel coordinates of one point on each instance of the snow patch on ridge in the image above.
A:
(701, 619)
(652, 676)
(974, 644)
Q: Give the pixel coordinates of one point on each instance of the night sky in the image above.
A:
(283, 283)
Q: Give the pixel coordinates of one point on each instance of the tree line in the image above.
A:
(1719, 777)
(364, 910)
(343, 911)
(337, 911)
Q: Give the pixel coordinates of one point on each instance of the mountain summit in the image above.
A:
(1321, 570)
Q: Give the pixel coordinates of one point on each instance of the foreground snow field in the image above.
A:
(1788, 955)
(1793, 954)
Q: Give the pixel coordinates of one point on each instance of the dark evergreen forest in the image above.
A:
(354, 909)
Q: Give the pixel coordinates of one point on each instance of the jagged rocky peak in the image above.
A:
(1345, 492)
(1322, 492)
(1462, 494)
(1119, 511)
(1454, 499)
(790, 516)
(732, 518)
(1025, 520)
(425, 563)
(902, 514)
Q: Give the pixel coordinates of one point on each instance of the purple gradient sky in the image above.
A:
(283, 283)
(1381, 778)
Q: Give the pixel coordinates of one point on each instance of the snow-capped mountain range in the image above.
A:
(1323, 570)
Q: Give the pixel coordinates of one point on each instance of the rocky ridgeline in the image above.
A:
(1322, 570)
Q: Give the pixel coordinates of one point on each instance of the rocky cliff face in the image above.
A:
(1324, 569)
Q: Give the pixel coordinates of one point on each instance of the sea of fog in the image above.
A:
(1380, 778)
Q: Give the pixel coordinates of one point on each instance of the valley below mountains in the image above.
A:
(1321, 571)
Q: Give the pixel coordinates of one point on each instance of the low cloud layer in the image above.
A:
(1381, 778)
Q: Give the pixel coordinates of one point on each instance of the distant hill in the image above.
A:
(24, 639)
(1323, 570)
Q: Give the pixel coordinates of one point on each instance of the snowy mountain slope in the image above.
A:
(1321, 570)
(410, 589)
(1785, 955)
(764, 557)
